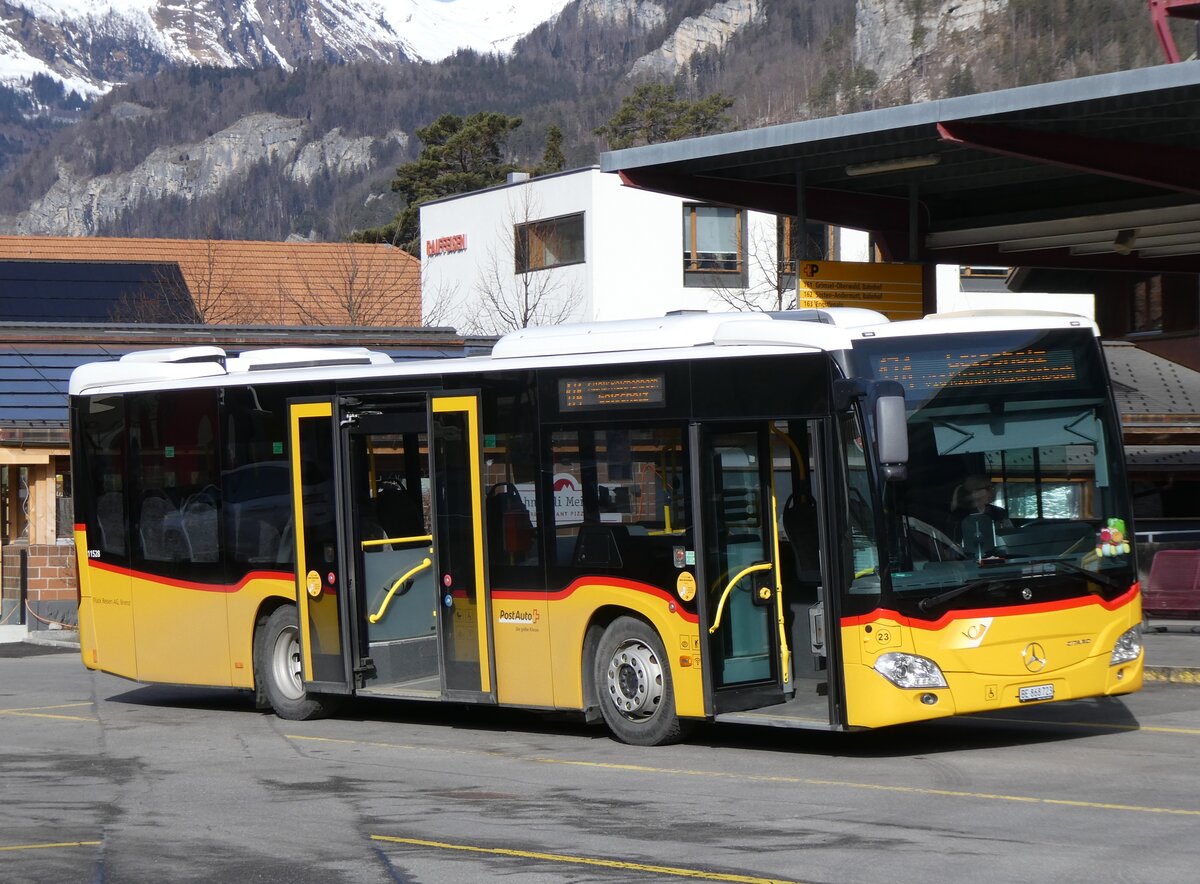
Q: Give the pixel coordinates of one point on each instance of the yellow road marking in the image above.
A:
(55, 844)
(41, 712)
(880, 787)
(776, 778)
(1096, 725)
(585, 861)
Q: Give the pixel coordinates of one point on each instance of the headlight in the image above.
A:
(1128, 646)
(910, 671)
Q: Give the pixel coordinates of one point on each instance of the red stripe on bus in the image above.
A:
(967, 613)
(617, 582)
(188, 584)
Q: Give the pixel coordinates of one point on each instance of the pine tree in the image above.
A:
(457, 156)
(553, 158)
(652, 114)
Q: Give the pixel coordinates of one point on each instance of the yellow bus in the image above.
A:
(813, 519)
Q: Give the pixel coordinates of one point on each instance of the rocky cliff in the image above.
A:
(891, 37)
(76, 206)
(712, 30)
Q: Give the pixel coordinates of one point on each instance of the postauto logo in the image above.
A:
(523, 617)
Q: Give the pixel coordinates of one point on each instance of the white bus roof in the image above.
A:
(683, 335)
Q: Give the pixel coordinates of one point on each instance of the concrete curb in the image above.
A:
(1188, 675)
(51, 639)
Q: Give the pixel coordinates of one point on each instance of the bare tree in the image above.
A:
(212, 280)
(363, 285)
(155, 305)
(770, 271)
(199, 288)
(519, 283)
(440, 304)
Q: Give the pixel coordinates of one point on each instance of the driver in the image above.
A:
(973, 498)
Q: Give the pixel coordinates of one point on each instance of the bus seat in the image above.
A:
(110, 519)
(599, 546)
(800, 523)
(199, 518)
(159, 529)
(400, 513)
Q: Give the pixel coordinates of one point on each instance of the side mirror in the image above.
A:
(891, 422)
(891, 430)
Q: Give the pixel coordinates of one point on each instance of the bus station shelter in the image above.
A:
(1093, 175)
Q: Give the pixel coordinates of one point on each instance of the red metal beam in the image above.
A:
(1157, 165)
(1161, 11)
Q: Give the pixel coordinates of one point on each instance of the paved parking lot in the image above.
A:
(106, 780)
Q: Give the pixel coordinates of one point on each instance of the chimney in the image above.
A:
(517, 177)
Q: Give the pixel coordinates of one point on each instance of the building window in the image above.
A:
(1147, 305)
(553, 242)
(712, 239)
(821, 243)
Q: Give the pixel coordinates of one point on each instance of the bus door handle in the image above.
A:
(752, 569)
(400, 581)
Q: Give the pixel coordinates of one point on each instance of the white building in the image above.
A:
(580, 246)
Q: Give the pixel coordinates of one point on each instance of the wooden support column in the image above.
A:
(16, 520)
(43, 515)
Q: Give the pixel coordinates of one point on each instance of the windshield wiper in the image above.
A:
(1055, 567)
(1072, 568)
(934, 600)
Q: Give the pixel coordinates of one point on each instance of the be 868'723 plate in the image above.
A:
(1035, 692)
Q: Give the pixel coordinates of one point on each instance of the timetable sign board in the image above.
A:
(625, 391)
(895, 290)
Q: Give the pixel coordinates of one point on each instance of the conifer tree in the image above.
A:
(457, 156)
(652, 113)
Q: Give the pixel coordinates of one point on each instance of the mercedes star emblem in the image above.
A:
(1034, 656)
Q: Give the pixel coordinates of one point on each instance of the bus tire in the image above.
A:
(277, 668)
(633, 682)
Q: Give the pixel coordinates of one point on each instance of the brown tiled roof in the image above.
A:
(243, 282)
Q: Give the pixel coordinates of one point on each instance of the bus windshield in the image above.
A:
(1015, 486)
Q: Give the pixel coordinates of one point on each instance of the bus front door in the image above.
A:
(763, 608)
(414, 507)
(741, 613)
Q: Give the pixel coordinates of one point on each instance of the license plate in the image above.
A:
(1036, 692)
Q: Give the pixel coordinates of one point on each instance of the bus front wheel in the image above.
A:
(633, 679)
(277, 668)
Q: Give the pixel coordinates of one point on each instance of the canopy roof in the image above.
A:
(1101, 172)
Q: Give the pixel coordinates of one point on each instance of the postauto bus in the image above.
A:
(812, 519)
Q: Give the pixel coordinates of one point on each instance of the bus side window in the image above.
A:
(256, 487)
(511, 482)
(103, 456)
(620, 503)
(174, 479)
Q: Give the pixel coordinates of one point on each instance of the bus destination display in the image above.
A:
(932, 370)
(595, 394)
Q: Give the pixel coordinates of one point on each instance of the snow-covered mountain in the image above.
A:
(89, 45)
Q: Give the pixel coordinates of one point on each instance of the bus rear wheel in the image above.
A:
(277, 668)
(633, 679)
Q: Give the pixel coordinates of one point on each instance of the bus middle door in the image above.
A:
(322, 592)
